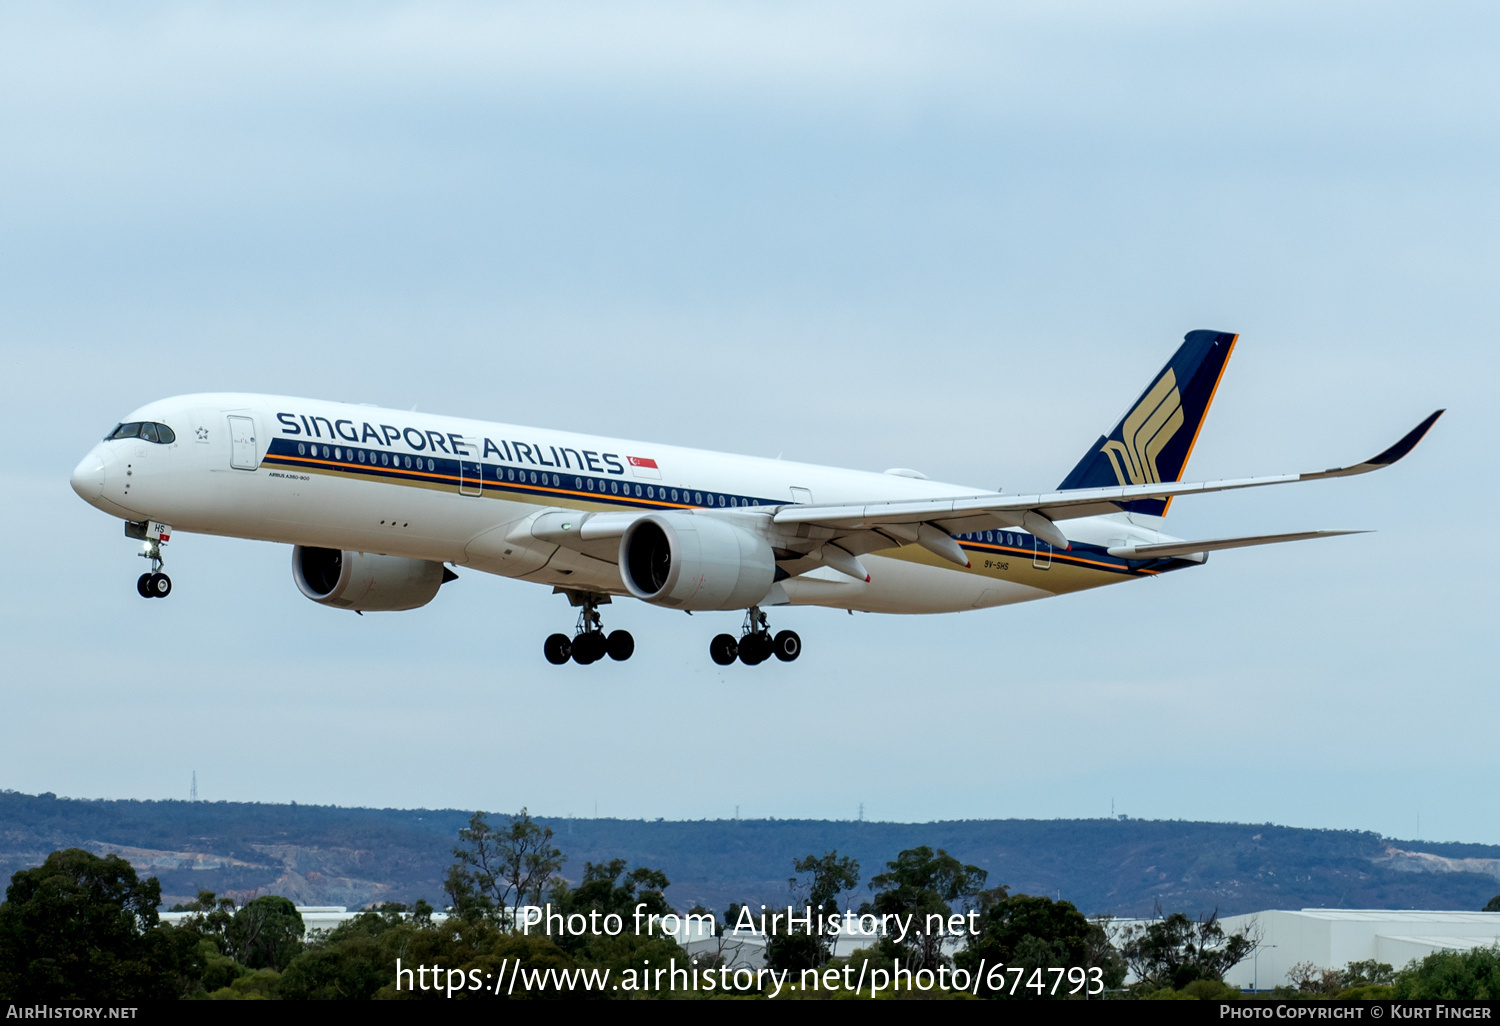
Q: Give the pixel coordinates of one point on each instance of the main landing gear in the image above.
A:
(756, 644)
(589, 643)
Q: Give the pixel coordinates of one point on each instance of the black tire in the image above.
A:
(160, 585)
(755, 648)
(589, 647)
(621, 645)
(723, 649)
(787, 646)
(558, 649)
(143, 585)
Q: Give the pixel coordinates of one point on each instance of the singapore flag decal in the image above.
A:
(644, 467)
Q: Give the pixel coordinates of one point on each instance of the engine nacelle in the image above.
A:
(689, 561)
(365, 581)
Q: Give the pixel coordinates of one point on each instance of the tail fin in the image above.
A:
(1153, 441)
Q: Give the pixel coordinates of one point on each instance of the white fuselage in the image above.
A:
(457, 491)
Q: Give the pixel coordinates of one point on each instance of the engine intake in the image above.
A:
(364, 581)
(690, 561)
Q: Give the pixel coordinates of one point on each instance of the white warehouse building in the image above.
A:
(1331, 938)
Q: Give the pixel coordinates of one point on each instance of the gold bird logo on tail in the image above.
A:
(1146, 432)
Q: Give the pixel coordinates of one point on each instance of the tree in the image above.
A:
(501, 869)
(924, 886)
(1174, 951)
(1472, 975)
(823, 880)
(1027, 932)
(266, 933)
(84, 928)
(607, 889)
(1493, 905)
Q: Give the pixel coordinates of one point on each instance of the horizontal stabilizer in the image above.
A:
(1187, 548)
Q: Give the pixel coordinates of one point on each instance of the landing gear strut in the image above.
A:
(755, 644)
(589, 643)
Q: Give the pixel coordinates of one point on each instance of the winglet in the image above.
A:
(1407, 443)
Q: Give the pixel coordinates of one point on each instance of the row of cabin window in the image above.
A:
(533, 477)
(385, 459)
(144, 430)
(996, 537)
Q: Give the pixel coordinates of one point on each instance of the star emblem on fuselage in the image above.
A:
(203, 434)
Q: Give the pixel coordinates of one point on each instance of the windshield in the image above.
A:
(151, 432)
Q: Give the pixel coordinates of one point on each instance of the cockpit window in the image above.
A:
(158, 433)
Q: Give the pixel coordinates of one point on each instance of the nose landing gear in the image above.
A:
(153, 583)
(755, 644)
(589, 643)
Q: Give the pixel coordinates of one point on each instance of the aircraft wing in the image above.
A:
(1037, 513)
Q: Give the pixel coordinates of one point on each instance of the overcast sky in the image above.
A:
(959, 237)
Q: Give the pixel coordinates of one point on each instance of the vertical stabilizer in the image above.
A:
(1153, 441)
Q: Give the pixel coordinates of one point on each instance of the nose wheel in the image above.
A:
(756, 644)
(154, 585)
(589, 643)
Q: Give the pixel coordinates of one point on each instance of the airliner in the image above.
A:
(381, 505)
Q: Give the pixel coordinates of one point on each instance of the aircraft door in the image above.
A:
(470, 471)
(243, 452)
(1041, 556)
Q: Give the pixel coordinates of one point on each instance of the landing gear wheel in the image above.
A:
(723, 649)
(621, 645)
(160, 585)
(558, 649)
(143, 585)
(589, 647)
(755, 648)
(787, 646)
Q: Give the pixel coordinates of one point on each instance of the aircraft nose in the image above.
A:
(88, 476)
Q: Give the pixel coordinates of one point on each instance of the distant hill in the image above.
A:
(325, 855)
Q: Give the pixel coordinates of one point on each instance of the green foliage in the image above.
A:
(1198, 990)
(919, 884)
(266, 933)
(84, 928)
(1028, 932)
(261, 985)
(1472, 975)
(1493, 905)
(1368, 973)
(1174, 951)
(823, 879)
(607, 889)
(1353, 982)
(502, 868)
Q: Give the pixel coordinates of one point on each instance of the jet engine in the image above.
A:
(364, 581)
(690, 561)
